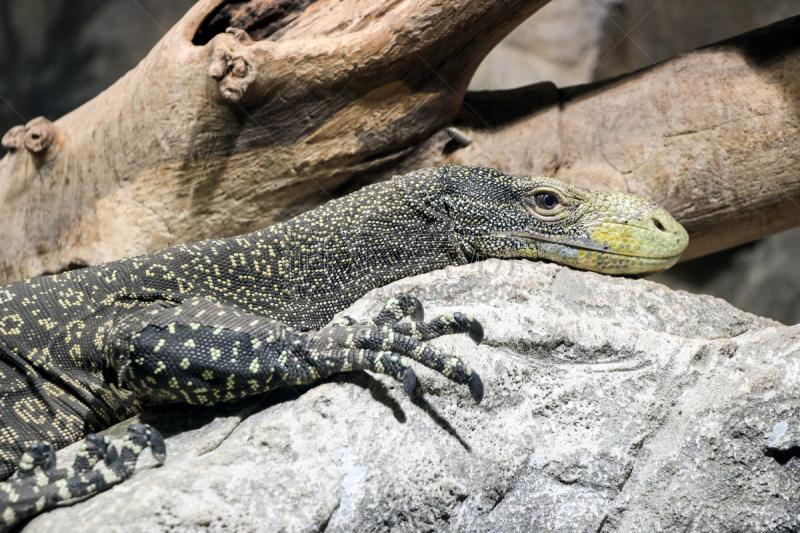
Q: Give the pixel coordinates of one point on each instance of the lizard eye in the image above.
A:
(546, 201)
(547, 204)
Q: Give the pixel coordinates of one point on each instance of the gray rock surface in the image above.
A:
(611, 405)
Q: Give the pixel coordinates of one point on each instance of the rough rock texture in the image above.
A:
(611, 405)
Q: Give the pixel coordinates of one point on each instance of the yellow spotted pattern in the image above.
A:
(221, 319)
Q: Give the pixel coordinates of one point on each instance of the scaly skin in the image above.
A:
(223, 319)
(612, 233)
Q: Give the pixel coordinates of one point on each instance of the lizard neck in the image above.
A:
(322, 261)
(317, 264)
(380, 234)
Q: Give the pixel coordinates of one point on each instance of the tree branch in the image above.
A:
(236, 134)
(713, 136)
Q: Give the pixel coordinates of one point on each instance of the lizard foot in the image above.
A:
(39, 486)
(384, 345)
(395, 309)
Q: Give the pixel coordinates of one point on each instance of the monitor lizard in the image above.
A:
(223, 319)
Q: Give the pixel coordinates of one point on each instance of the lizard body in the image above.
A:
(223, 319)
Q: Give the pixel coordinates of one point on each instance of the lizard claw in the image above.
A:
(476, 387)
(146, 435)
(417, 312)
(409, 381)
(157, 446)
(476, 333)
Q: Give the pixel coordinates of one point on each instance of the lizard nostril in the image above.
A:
(659, 225)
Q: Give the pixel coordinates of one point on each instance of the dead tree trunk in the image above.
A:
(217, 133)
(713, 136)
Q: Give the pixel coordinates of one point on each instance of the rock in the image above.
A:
(611, 405)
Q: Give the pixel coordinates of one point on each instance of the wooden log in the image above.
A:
(217, 132)
(712, 135)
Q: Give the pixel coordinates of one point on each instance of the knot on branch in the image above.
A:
(233, 73)
(13, 139)
(39, 135)
(241, 36)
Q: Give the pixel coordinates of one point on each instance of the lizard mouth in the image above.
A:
(599, 258)
(587, 245)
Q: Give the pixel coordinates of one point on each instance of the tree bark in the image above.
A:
(216, 134)
(713, 136)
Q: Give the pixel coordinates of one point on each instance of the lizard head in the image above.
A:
(497, 215)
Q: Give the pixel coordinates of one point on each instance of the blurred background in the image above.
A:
(57, 54)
